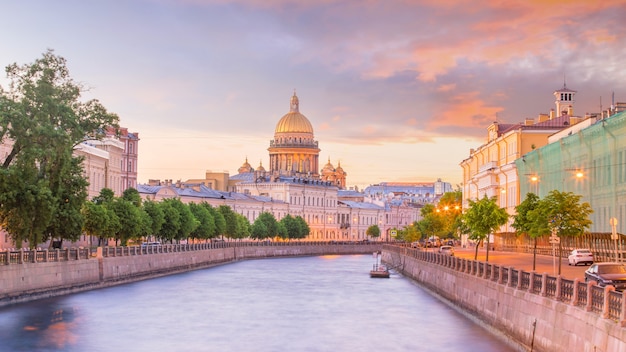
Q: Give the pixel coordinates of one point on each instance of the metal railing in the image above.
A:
(22, 256)
(605, 301)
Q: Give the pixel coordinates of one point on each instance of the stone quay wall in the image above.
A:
(32, 275)
(533, 312)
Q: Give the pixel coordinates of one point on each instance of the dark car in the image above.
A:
(607, 274)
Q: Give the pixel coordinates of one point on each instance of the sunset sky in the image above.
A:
(395, 90)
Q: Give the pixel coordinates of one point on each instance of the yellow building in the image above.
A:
(490, 169)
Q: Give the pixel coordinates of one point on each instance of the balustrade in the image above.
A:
(606, 302)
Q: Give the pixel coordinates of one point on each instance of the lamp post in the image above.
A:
(613, 222)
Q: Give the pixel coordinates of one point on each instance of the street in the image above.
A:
(524, 261)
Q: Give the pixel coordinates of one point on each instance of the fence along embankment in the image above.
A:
(538, 311)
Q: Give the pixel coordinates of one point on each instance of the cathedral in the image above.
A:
(294, 153)
(293, 183)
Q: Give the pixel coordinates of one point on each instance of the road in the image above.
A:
(524, 261)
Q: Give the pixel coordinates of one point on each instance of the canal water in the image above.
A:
(326, 303)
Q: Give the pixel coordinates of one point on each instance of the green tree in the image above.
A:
(132, 195)
(259, 231)
(431, 225)
(282, 231)
(154, 211)
(303, 228)
(130, 220)
(206, 226)
(270, 223)
(523, 225)
(291, 226)
(410, 233)
(482, 218)
(449, 210)
(373, 231)
(96, 220)
(171, 224)
(106, 196)
(188, 223)
(42, 118)
(243, 227)
(560, 213)
(218, 218)
(230, 230)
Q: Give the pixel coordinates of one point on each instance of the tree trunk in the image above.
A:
(535, 254)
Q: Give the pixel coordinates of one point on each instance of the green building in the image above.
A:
(586, 159)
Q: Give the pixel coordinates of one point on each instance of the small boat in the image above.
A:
(379, 270)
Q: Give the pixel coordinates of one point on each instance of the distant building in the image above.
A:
(293, 184)
(108, 163)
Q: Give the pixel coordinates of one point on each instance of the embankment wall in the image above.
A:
(27, 281)
(528, 320)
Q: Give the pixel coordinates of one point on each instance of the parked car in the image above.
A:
(416, 244)
(607, 274)
(578, 256)
(449, 250)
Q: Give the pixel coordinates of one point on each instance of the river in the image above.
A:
(326, 303)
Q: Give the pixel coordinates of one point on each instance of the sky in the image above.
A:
(396, 91)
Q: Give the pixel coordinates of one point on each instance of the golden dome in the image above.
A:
(294, 121)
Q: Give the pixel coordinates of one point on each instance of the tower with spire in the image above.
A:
(564, 100)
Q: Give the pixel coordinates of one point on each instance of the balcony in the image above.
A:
(488, 166)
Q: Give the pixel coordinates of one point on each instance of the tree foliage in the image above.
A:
(42, 189)
(206, 224)
(482, 218)
(522, 224)
(373, 231)
(560, 213)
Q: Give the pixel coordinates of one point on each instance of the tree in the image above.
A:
(154, 211)
(449, 210)
(560, 213)
(291, 226)
(218, 218)
(482, 218)
(243, 227)
(106, 196)
(259, 231)
(132, 195)
(96, 221)
(230, 230)
(410, 233)
(373, 231)
(432, 223)
(188, 223)
(130, 220)
(270, 224)
(43, 119)
(206, 226)
(171, 224)
(303, 228)
(523, 225)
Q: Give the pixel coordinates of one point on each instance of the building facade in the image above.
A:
(293, 184)
(490, 170)
(588, 160)
(107, 163)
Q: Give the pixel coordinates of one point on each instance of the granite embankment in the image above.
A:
(535, 312)
(31, 275)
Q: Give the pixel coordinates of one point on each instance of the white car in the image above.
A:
(449, 250)
(580, 256)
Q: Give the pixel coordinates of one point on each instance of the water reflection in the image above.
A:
(286, 304)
